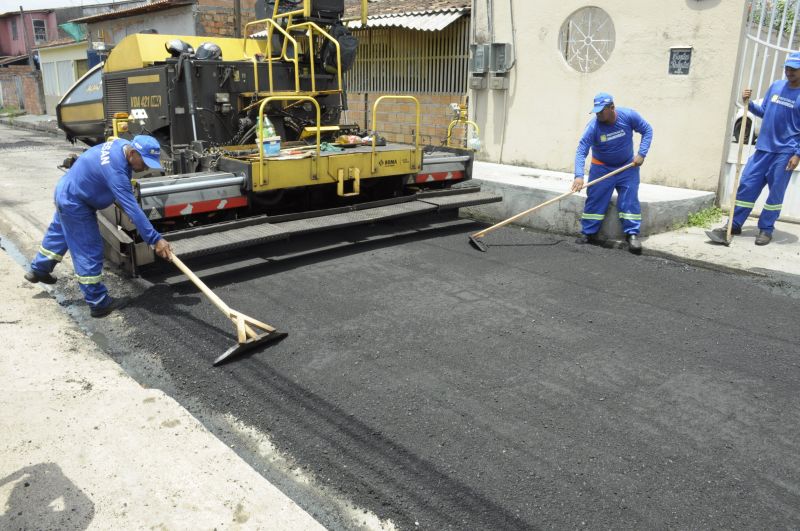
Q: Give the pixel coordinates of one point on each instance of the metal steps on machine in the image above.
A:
(254, 231)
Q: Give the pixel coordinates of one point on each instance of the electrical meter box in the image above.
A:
(477, 82)
(479, 58)
(500, 57)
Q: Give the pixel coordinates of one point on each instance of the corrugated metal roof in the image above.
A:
(402, 7)
(430, 20)
(158, 5)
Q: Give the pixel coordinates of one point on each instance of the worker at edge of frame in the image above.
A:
(99, 177)
(777, 152)
(610, 137)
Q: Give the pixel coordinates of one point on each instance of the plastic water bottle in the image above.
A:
(270, 142)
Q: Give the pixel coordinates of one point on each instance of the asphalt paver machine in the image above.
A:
(228, 185)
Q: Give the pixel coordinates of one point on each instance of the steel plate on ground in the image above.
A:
(463, 200)
(265, 232)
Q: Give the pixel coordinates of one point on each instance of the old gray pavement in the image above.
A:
(426, 385)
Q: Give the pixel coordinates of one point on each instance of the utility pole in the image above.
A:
(25, 37)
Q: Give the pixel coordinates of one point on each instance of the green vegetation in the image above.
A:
(705, 218)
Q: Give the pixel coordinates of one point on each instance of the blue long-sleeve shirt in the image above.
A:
(780, 111)
(613, 144)
(101, 176)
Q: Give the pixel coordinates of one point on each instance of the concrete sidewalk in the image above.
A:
(44, 123)
(663, 209)
(86, 447)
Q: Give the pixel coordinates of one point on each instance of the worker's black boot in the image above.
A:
(115, 304)
(591, 239)
(763, 238)
(45, 278)
(634, 245)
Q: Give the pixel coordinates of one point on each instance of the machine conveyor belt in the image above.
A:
(258, 233)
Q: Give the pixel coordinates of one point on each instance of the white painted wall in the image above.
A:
(539, 120)
(55, 59)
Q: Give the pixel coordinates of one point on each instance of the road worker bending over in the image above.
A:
(99, 177)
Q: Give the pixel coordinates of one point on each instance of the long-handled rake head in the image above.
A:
(246, 327)
(719, 236)
(476, 242)
(248, 337)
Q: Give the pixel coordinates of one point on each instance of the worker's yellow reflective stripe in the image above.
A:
(50, 254)
(625, 215)
(773, 207)
(745, 204)
(593, 216)
(89, 280)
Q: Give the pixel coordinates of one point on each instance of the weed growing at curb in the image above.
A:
(705, 218)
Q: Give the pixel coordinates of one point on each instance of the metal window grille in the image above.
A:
(587, 39)
(14, 30)
(39, 31)
(402, 61)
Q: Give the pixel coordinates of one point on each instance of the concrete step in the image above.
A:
(663, 207)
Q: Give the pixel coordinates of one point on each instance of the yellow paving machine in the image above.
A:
(252, 141)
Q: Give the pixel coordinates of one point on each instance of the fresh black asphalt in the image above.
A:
(543, 384)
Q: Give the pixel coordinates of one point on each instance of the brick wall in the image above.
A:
(32, 91)
(215, 18)
(397, 119)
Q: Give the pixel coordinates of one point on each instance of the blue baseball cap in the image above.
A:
(150, 150)
(793, 60)
(602, 100)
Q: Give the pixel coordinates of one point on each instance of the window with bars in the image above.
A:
(14, 30)
(39, 31)
(402, 61)
(587, 39)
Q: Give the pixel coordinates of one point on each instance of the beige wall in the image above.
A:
(546, 108)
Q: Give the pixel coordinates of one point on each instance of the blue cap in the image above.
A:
(150, 150)
(602, 100)
(793, 60)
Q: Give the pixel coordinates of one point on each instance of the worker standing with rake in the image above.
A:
(610, 138)
(776, 157)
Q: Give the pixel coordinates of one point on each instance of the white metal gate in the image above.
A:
(772, 31)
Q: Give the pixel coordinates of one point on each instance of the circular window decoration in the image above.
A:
(587, 39)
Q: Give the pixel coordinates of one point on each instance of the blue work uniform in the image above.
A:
(778, 141)
(612, 148)
(99, 177)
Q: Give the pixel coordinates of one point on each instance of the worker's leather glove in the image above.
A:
(163, 249)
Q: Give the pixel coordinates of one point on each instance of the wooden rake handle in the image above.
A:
(242, 321)
(735, 189)
(515, 217)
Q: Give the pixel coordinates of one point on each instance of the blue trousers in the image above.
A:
(599, 195)
(74, 228)
(763, 168)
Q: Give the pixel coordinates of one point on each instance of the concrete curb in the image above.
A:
(49, 127)
(663, 208)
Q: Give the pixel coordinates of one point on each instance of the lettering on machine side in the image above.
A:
(153, 101)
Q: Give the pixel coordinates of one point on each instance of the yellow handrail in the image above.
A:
(460, 121)
(261, 121)
(313, 27)
(270, 26)
(375, 128)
